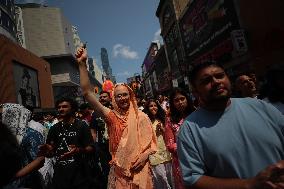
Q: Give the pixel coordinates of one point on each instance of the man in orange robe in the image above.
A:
(131, 137)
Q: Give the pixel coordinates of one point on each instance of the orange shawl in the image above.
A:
(129, 137)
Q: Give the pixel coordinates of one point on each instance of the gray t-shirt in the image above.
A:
(236, 143)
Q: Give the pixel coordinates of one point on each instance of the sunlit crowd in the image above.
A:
(225, 133)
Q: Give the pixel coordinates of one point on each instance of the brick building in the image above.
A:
(17, 63)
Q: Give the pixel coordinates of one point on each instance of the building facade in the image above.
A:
(20, 27)
(25, 78)
(223, 31)
(209, 31)
(76, 38)
(48, 33)
(156, 71)
(95, 71)
(264, 31)
(149, 82)
(51, 36)
(164, 82)
(8, 19)
(167, 12)
(106, 66)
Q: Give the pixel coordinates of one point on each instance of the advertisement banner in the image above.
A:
(205, 24)
(26, 84)
(150, 57)
(164, 81)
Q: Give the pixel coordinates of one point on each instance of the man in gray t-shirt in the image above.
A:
(230, 143)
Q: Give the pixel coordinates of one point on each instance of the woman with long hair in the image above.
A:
(180, 107)
(161, 160)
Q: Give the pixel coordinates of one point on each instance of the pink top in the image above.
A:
(171, 134)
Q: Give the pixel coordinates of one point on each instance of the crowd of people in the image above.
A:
(230, 135)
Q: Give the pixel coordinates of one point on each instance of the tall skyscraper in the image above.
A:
(105, 62)
(94, 70)
(106, 67)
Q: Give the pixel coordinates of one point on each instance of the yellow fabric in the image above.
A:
(162, 155)
(130, 136)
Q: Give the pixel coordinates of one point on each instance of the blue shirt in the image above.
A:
(236, 143)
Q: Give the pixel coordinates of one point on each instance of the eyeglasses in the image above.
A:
(120, 84)
(122, 95)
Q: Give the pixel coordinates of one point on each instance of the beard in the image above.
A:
(220, 97)
(215, 99)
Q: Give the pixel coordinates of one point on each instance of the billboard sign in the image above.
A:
(26, 84)
(205, 24)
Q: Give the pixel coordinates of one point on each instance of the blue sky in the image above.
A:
(124, 27)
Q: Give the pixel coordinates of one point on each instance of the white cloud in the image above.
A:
(157, 36)
(125, 73)
(124, 52)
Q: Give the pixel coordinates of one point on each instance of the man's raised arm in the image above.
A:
(81, 56)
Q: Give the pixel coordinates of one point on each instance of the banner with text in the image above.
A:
(205, 24)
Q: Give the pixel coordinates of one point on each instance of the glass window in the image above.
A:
(7, 23)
